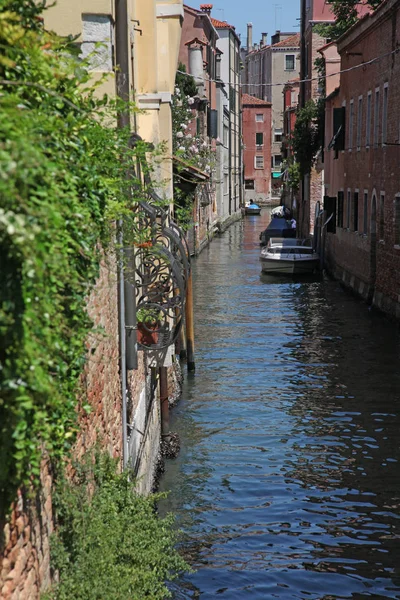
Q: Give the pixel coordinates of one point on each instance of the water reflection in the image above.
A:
(286, 485)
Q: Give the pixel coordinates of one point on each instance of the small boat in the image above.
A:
(252, 209)
(289, 257)
(278, 228)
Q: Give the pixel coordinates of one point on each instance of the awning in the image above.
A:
(276, 175)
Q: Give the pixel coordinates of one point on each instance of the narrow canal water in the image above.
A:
(287, 485)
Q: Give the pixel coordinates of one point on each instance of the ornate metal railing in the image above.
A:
(161, 266)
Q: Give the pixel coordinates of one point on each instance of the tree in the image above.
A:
(346, 14)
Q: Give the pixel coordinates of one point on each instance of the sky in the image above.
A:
(266, 15)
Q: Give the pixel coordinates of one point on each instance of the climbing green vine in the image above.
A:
(62, 184)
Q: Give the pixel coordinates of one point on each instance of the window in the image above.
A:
(339, 124)
(385, 113)
(365, 213)
(290, 62)
(249, 184)
(278, 135)
(355, 212)
(368, 125)
(95, 29)
(397, 221)
(359, 122)
(340, 207)
(260, 118)
(259, 139)
(348, 208)
(351, 124)
(276, 160)
(382, 217)
(376, 117)
(259, 162)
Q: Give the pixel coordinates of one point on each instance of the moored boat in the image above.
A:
(252, 209)
(289, 257)
(278, 228)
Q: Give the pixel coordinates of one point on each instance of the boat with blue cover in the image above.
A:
(252, 209)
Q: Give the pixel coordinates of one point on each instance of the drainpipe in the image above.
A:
(164, 401)
(123, 120)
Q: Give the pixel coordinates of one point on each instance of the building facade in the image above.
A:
(229, 147)
(257, 148)
(313, 13)
(267, 69)
(290, 106)
(362, 183)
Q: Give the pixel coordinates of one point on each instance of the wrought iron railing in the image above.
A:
(160, 268)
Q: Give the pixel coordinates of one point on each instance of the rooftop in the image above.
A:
(252, 100)
(221, 24)
(290, 42)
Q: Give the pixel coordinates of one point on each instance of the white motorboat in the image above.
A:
(289, 256)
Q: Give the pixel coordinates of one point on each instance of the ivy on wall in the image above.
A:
(62, 184)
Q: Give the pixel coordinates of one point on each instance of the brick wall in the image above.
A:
(369, 169)
(25, 556)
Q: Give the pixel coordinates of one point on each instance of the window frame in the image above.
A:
(356, 198)
(351, 126)
(294, 61)
(385, 113)
(359, 122)
(340, 208)
(376, 116)
(365, 212)
(261, 157)
(369, 119)
(381, 223)
(259, 120)
(348, 209)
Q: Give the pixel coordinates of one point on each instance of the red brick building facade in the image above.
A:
(257, 148)
(362, 160)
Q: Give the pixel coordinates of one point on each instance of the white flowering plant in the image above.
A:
(193, 148)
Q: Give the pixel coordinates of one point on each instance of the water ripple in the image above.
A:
(287, 484)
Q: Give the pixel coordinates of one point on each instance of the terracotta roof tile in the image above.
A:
(252, 100)
(221, 24)
(291, 42)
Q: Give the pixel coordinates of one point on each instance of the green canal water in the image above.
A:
(287, 484)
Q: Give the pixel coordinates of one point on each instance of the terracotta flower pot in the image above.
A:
(147, 334)
(144, 244)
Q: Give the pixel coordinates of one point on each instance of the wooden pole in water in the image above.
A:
(182, 343)
(190, 325)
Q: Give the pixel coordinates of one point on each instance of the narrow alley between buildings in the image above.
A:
(287, 482)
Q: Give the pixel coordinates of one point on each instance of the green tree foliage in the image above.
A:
(61, 179)
(308, 134)
(346, 15)
(111, 545)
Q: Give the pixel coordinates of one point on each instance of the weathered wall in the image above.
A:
(369, 254)
(261, 177)
(25, 560)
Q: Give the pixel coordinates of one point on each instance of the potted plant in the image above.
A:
(144, 238)
(148, 325)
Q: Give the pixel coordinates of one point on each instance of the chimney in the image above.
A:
(249, 37)
(264, 38)
(206, 8)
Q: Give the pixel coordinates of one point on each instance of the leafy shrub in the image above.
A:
(111, 545)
